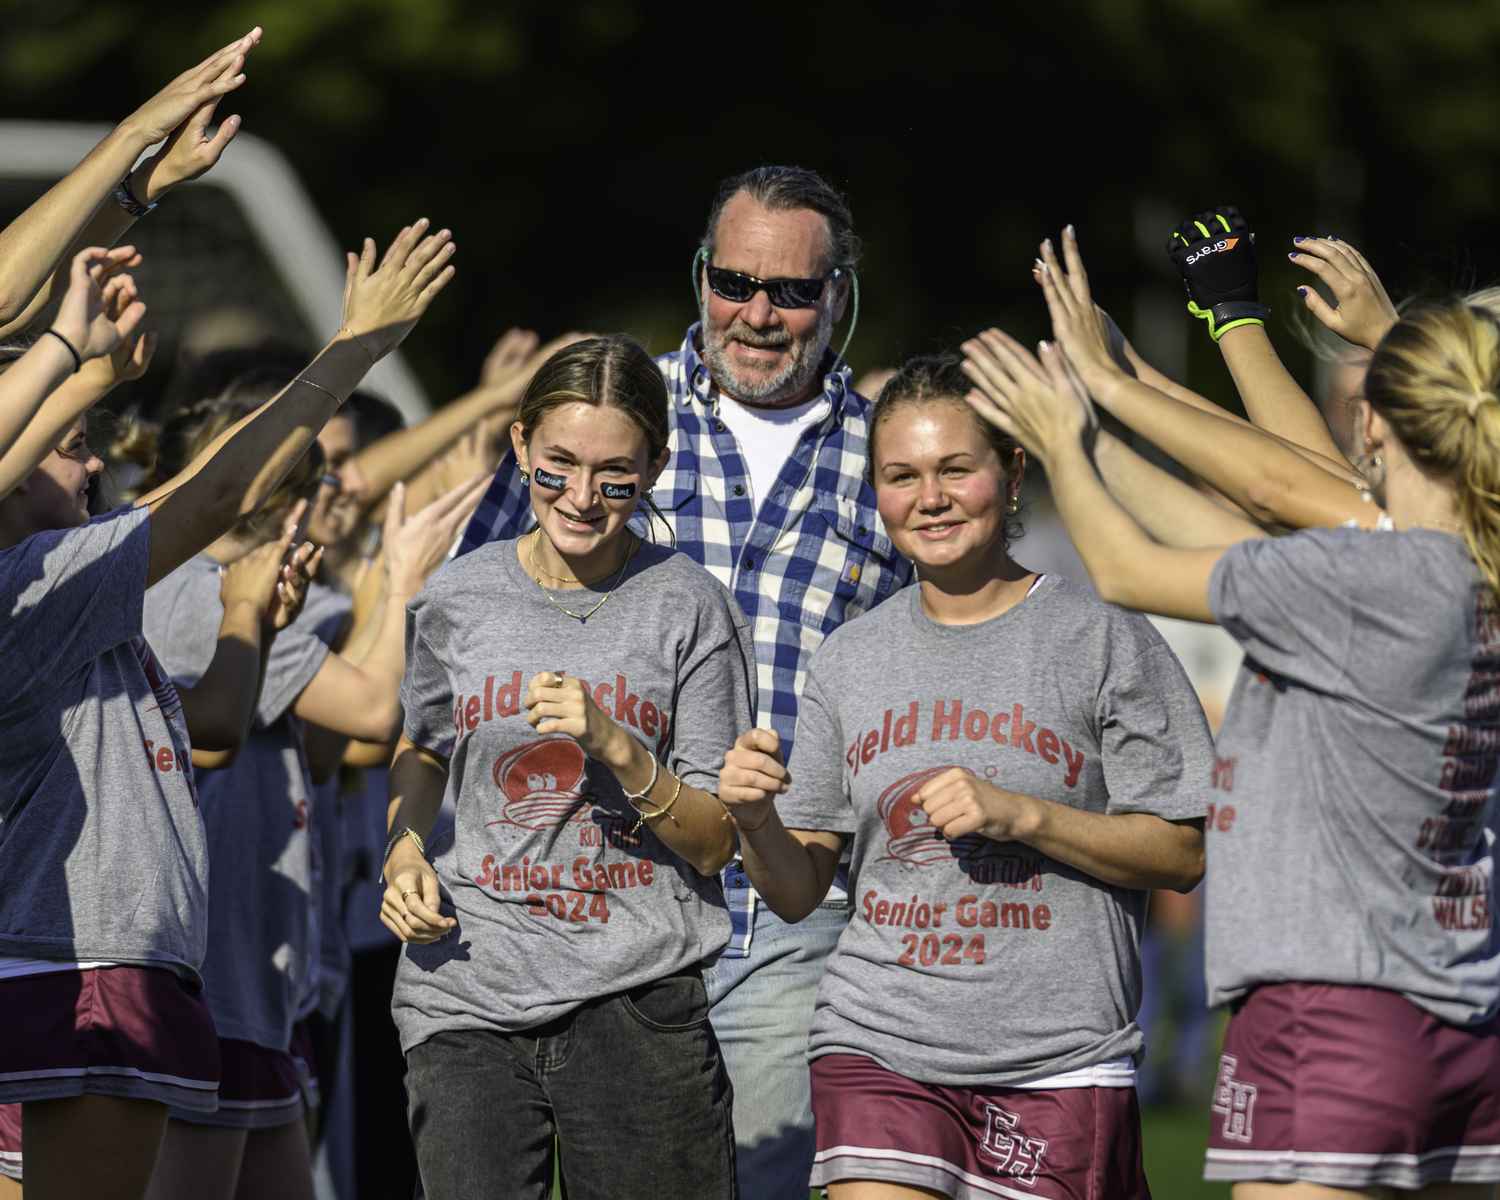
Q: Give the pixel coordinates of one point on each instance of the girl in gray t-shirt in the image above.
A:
(1350, 864)
(1016, 763)
(572, 693)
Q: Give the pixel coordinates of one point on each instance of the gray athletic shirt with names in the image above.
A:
(1354, 786)
(260, 938)
(102, 852)
(559, 897)
(984, 963)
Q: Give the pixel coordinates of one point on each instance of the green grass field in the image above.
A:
(1175, 1140)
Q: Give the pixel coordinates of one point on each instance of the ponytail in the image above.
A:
(1435, 378)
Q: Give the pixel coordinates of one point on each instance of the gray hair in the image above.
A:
(785, 189)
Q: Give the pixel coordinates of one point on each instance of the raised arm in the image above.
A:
(1270, 480)
(1046, 410)
(791, 869)
(70, 215)
(84, 387)
(1169, 510)
(382, 302)
(358, 698)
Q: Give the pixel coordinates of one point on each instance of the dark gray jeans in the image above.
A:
(631, 1085)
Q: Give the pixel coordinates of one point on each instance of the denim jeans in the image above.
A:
(631, 1085)
(762, 1006)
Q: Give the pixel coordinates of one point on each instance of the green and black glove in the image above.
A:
(1214, 253)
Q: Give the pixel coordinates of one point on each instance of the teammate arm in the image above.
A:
(1169, 510)
(561, 704)
(1045, 408)
(73, 213)
(791, 869)
(1270, 480)
(1130, 850)
(382, 302)
(359, 699)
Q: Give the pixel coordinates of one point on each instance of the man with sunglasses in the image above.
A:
(766, 488)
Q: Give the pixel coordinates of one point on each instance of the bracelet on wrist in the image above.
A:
(733, 820)
(406, 831)
(361, 341)
(77, 359)
(125, 198)
(662, 810)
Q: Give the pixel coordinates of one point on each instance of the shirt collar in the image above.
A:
(700, 383)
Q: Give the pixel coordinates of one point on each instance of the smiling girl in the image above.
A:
(1016, 763)
(570, 691)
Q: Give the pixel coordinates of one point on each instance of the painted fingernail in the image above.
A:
(1044, 346)
(1293, 254)
(1302, 292)
(1297, 239)
(1331, 238)
(1048, 243)
(1071, 232)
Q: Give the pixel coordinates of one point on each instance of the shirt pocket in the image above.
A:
(674, 489)
(856, 567)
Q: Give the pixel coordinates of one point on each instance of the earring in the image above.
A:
(525, 479)
(1365, 478)
(1012, 506)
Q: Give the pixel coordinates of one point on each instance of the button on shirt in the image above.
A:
(801, 559)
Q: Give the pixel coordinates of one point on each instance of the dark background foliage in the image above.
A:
(574, 147)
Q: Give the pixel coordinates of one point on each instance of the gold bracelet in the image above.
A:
(320, 388)
(360, 340)
(663, 810)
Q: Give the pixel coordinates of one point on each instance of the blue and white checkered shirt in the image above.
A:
(812, 555)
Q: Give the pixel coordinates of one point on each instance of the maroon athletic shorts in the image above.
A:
(118, 1031)
(306, 1058)
(10, 1141)
(974, 1143)
(259, 1090)
(1353, 1087)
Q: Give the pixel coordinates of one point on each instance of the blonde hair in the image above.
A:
(1435, 378)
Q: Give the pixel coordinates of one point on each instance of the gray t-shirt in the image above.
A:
(102, 849)
(558, 897)
(984, 963)
(1350, 838)
(260, 938)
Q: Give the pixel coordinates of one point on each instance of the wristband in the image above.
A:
(77, 361)
(125, 198)
(1231, 314)
(396, 837)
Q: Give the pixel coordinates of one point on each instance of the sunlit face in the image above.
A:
(590, 448)
(55, 495)
(334, 510)
(757, 353)
(941, 488)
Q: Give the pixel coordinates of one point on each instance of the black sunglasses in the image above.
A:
(783, 293)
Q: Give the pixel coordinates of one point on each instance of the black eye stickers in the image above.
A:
(559, 483)
(617, 491)
(553, 483)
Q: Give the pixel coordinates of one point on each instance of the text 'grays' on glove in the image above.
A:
(1214, 253)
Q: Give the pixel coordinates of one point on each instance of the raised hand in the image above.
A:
(215, 76)
(415, 547)
(1364, 313)
(297, 572)
(1043, 405)
(1214, 253)
(255, 579)
(472, 455)
(507, 356)
(126, 361)
(1077, 322)
(383, 301)
(189, 151)
(94, 292)
(753, 775)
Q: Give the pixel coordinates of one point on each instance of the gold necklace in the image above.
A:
(541, 570)
(582, 618)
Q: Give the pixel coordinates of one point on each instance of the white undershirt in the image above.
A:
(15, 967)
(767, 436)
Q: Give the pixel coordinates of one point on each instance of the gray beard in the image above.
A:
(768, 391)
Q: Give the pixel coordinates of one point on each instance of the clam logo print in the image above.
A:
(543, 782)
(910, 837)
(1218, 247)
